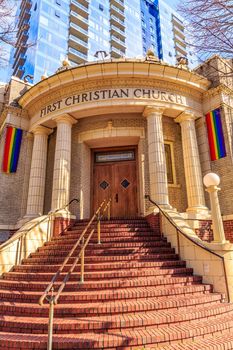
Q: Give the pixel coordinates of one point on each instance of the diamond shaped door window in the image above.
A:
(104, 184)
(125, 183)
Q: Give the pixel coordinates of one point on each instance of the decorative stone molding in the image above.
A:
(149, 110)
(65, 118)
(126, 73)
(117, 132)
(186, 115)
(41, 130)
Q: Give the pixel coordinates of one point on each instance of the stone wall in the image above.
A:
(12, 186)
(218, 70)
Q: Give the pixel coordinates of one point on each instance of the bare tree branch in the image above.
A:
(209, 25)
(10, 30)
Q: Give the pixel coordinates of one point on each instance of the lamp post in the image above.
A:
(211, 181)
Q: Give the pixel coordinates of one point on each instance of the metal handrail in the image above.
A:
(198, 243)
(21, 234)
(49, 294)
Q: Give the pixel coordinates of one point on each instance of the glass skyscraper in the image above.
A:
(50, 30)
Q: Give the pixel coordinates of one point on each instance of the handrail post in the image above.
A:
(98, 229)
(82, 263)
(50, 326)
(109, 211)
(178, 242)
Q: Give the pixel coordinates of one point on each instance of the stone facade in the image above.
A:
(115, 104)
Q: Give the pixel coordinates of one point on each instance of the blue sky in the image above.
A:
(173, 3)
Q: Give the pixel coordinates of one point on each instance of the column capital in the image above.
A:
(153, 110)
(65, 118)
(41, 130)
(186, 115)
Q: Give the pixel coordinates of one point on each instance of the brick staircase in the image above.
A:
(137, 294)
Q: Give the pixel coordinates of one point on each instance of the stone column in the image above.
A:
(156, 153)
(192, 165)
(35, 201)
(61, 172)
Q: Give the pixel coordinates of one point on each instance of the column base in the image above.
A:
(198, 210)
(219, 242)
(66, 214)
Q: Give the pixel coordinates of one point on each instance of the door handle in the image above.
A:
(116, 197)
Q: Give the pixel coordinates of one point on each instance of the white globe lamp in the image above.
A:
(211, 181)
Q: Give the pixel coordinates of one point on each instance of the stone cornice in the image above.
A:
(100, 74)
(217, 90)
(149, 110)
(184, 116)
(65, 118)
(18, 111)
(41, 130)
(74, 88)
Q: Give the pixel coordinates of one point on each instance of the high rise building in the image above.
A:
(85, 29)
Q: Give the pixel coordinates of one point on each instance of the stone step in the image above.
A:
(110, 259)
(99, 251)
(76, 325)
(179, 292)
(112, 236)
(103, 266)
(125, 339)
(101, 284)
(94, 245)
(116, 307)
(137, 294)
(72, 238)
(96, 275)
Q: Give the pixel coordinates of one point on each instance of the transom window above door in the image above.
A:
(114, 156)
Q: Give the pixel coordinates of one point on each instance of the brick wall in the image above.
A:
(228, 228)
(206, 233)
(154, 221)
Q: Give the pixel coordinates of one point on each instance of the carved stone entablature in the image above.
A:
(217, 90)
(73, 89)
(15, 111)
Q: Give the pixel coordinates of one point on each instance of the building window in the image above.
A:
(152, 29)
(57, 14)
(170, 162)
(58, 2)
(101, 7)
(35, 7)
(151, 20)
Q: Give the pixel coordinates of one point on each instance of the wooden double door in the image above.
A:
(117, 181)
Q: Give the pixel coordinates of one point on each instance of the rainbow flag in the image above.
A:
(11, 150)
(215, 135)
